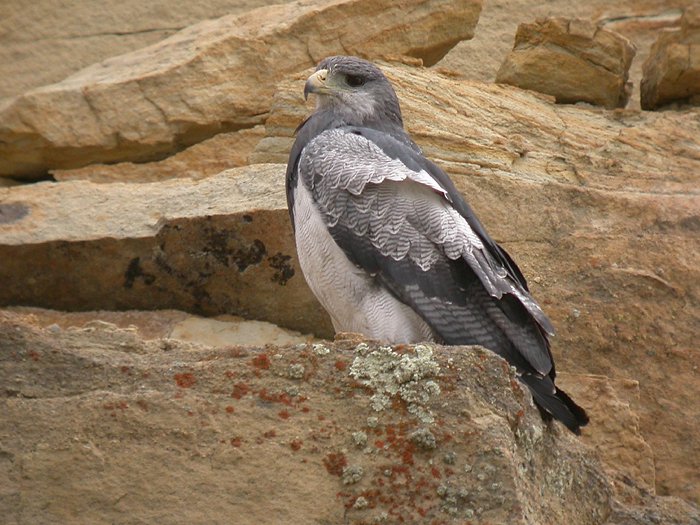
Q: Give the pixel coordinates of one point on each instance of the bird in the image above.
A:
(389, 246)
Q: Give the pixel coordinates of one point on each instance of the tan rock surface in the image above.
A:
(571, 59)
(99, 426)
(209, 157)
(637, 20)
(672, 70)
(219, 331)
(219, 245)
(600, 209)
(44, 41)
(218, 75)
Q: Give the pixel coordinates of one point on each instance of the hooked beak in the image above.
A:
(316, 83)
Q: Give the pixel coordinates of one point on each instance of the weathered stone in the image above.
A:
(221, 245)
(638, 20)
(209, 157)
(218, 75)
(672, 70)
(615, 433)
(45, 41)
(572, 60)
(220, 331)
(600, 209)
(98, 424)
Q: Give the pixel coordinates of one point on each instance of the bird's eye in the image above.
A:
(354, 80)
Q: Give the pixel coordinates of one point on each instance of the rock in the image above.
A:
(209, 157)
(613, 406)
(220, 331)
(600, 210)
(47, 40)
(220, 245)
(100, 424)
(672, 70)
(572, 60)
(152, 102)
(637, 20)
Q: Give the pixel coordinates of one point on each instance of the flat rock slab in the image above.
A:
(572, 60)
(209, 157)
(99, 426)
(218, 331)
(218, 75)
(672, 70)
(221, 245)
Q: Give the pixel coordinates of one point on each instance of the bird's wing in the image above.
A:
(394, 217)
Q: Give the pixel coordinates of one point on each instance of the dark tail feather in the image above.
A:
(555, 403)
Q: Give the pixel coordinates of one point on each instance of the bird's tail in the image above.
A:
(555, 403)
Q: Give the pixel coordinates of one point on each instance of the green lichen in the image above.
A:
(390, 374)
(296, 371)
(352, 474)
(424, 438)
(321, 349)
(360, 439)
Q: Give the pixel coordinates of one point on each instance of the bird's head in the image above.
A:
(355, 90)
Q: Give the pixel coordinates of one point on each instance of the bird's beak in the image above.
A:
(316, 83)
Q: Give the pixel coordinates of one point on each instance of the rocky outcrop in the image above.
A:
(672, 70)
(49, 40)
(209, 157)
(219, 245)
(250, 431)
(637, 20)
(218, 75)
(572, 60)
(600, 209)
(603, 221)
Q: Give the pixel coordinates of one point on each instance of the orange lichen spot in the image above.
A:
(305, 409)
(379, 443)
(283, 414)
(185, 380)
(261, 361)
(230, 374)
(334, 463)
(295, 444)
(230, 409)
(341, 365)
(236, 442)
(240, 390)
(407, 453)
(272, 397)
(436, 473)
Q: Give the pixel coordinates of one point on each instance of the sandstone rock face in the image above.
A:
(218, 331)
(251, 432)
(601, 218)
(600, 209)
(219, 245)
(637, 20)
(47, 40)
(672, 70)
(572, 60)
(209, 157)
(215, 76)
